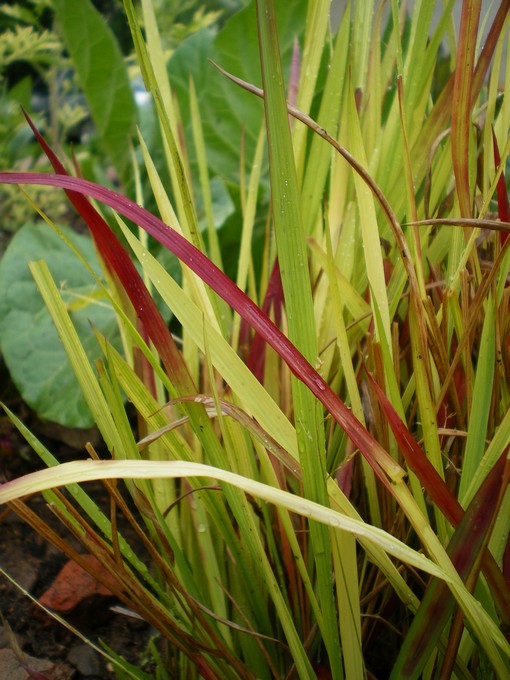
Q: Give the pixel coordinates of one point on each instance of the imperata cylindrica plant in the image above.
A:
(318, 473)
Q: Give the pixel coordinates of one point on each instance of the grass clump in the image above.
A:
(321, 459)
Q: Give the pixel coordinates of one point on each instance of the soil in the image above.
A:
(32, 643)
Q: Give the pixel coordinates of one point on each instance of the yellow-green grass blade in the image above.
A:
(350, 378)
(293, 261)
(151, 60)
(161, 494)
(345, 570)
(318, 161)
(392, 390)
(426, 405)
(462, 137)
(243, 461)
(249, 213)
(420, 60)
(214, 247)
(317, 25)
(494, 450)
(369, 229)
(168, 216)
(357, 307)
(416, 68)
(345, 563)
(268, 475)
(89, 470)
(492, 125)
(395, 17)
(158, 61)
(501, 533)
(370, 97)
(153, 75)
(362, 18)
(210, 554)
(342, 340)
(342, 504)
(198, 139)
(108, 413)
(77, 357)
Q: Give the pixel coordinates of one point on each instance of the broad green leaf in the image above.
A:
(222, 205)
(32, 350)
(102, 74)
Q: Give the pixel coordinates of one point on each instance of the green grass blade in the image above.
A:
(249, 214)
(198, 138)
(481, 402)
(369, 229)
(347, 589)
(79, 361)
(292, 257)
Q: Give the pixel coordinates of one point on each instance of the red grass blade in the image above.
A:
(273, 299)
(379, 459)
(465, 549)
